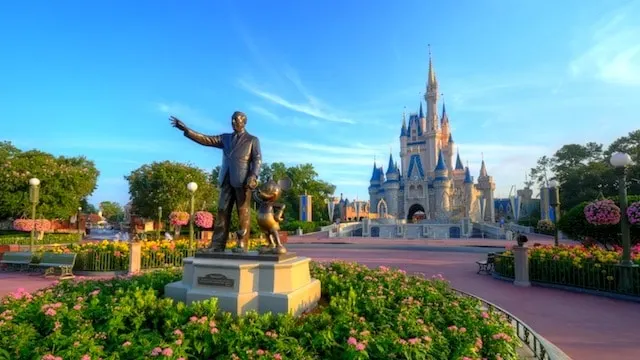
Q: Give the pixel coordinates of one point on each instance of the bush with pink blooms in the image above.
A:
(28, 224)
(633, 213)
(364, 314)
(203, 219)
(602, 212)
(179, 218)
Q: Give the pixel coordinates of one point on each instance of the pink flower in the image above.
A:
(126, 343)
(260, 352)
(156, 351)
(360, 346)
(177, 332)
(167, 352)
(86, 357)
(277, 356)
(352, 341)
(485, 315)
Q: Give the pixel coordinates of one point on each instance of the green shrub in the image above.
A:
(574, 224)
(364, 314)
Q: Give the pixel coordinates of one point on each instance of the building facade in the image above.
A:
(430, 180)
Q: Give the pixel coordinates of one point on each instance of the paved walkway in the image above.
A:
(585, 327)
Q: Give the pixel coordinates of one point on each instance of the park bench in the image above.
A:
(63, 262)
(16, 259)
(486, 266)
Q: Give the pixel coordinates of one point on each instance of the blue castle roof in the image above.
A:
(391, 168)
(415, 165)
(459, 165)
(467, 176)
(441, 165)
(421, 113)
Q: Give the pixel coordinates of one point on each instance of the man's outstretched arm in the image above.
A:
(206, 140)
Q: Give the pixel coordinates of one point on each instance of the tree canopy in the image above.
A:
(112, 211)
(304, 178)
(64, 182)
(584, 171)
(165, 184)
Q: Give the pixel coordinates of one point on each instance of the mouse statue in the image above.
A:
(270, 213)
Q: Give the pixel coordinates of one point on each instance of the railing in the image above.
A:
(101, 261)
(164, 258)
(504, 265)
(586, 275)
(539, 347)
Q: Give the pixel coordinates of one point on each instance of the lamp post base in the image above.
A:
(626, 284)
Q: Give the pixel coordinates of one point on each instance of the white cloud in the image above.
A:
(311, 108)
(613, 51)
(266, 113)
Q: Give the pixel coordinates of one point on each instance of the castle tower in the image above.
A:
(404, 136)
(442, 185)
(392, 187)
(487, 186)
(468, 190)
(447, 149)
(431, 97)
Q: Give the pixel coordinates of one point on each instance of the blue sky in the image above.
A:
(321, 81)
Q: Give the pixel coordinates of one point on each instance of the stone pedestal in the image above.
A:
(241, 283)
(521, 266)
(135, 256)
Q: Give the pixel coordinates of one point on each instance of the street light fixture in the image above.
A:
(554, 201)
(621, 161)
(192, 187)
(78, 222)
(159, 222)
(34, 197)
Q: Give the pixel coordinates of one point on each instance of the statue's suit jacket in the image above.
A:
(241, 156)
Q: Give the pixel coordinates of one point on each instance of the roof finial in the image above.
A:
(429, 46)
(482, 155)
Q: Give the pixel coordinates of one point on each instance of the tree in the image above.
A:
(64, 182)
(165, 184)
(87, 207)
(629, 144)
(112, 211)
(539, 174)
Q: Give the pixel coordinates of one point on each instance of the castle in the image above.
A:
(428, 183)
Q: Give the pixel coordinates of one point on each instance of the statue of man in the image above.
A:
(241, 161)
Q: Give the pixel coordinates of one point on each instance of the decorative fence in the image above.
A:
(585, 275)
(164, 258)
(538, 347)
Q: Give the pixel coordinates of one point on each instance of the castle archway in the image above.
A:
(416, 212)
(382, 209)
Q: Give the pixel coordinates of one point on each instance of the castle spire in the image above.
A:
(421, 112)
(483, 168)
(459, 165)
(431, 82)
(444, 118)
(440, 165)
(467, 176)
(391, 166)
(403, 129)
(450, 138)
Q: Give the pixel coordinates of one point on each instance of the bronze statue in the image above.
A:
(241, 161)
(270, 213)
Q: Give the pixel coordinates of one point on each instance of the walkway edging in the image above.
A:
(542, 348)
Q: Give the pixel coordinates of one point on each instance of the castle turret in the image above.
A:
(442, 185)
(487, 186)
(468, 189)
(392, 186)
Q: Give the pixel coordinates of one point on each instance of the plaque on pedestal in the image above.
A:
(245, 282)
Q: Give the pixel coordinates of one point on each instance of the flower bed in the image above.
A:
(365, 314)
(576, 266)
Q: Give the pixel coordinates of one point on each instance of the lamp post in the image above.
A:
(621, 161)
(554, 202)
(78, 222)
(159, 222)
(34, 196)
(192, 187)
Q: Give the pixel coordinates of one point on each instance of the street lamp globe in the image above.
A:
(553, 184)
(34, 181)
(620, 159)
(192, 186)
